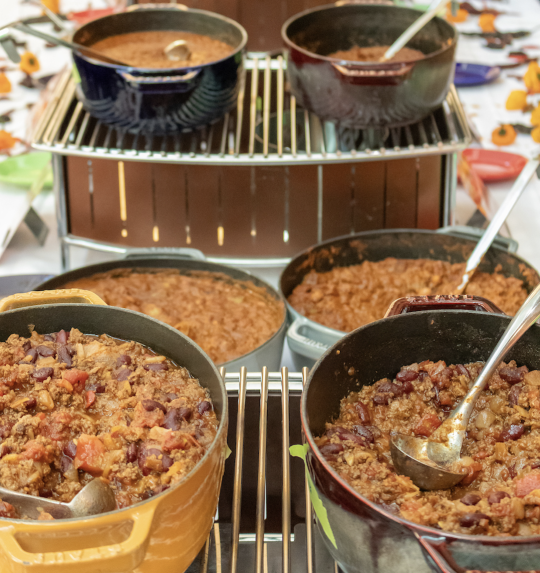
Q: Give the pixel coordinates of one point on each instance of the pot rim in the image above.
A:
(222, 428)
(330, 242)
(411, 525)
(165, 71)
(373, 66)
(219, 268)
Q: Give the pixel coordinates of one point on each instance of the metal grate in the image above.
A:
(267, 127)
(298, 549)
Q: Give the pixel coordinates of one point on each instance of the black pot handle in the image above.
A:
(438, 551)
(389, 75)
(147, 6)
(409, 304)
(164, 252)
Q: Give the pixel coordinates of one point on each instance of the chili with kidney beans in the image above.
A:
(500, 490)
(75, 407)
(346, 298)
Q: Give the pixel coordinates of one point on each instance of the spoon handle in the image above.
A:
(522, 321)
(496, 223)
(27, 505)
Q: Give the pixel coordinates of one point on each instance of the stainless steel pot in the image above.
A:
(186, 261)
(308, 339)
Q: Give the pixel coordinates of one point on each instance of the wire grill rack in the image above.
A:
(267, 127)
(259, 532)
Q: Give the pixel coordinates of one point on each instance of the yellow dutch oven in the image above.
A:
(163, 534)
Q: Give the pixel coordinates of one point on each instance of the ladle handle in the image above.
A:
(502, 213)
(527, 315)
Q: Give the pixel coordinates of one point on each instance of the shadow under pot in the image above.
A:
(170, 527)
(368, 537)
(160, 101)
(309, 339)
(367, 94)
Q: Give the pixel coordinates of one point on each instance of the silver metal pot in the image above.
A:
(308, 340)
(187, 260)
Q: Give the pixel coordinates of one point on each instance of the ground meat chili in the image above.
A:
(375, 53)
(226, 318)
(75, 407)
(500, 490)
(346, 298)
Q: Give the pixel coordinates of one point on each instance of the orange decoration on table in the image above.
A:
(532, 78)
(7, 141)
(503, 135)
(5, 84)
(53, 5)
(535, 116)
(29, 63)
(460, 16)
(486, 21)
(516, 100)
(535, 134)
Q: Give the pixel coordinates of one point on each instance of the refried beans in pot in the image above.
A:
(75, 407)
(226, 318)
(375, 53)
(346, 298)
(146, 49)
(500, 490)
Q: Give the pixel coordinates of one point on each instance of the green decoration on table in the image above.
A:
(300, 451)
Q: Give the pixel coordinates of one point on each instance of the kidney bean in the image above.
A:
(363, 413)
(27, 345)
(171, 396)
(64, 356)
(535, 465)
(422, 376)
(65, 464)
(41, 374)
(4, 450)
(462, 370)
(156, 367)
(131, 453)
(99, 389)
(71, 349)
(331, 450)
(123, 374)
(50, 337)
(513, 395)
(174, 417)
(364, 433)
(203, 407)
(5, 430)
(407, 387)
(470, 499)
(45, 492)
(472, 519)
(33, 353)
(512, 375)
(442, 379)
(406, 376)
(146, 494)
(45, 351)
(70, 449)
(514, 432)
(496, 497)
(62, 337)
(123, 360)
(144, 453)
(381, 399)
(167, 462)
(90, 398)
(151, 405)
(30, 403)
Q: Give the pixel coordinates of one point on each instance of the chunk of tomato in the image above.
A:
(427, 425)
(90, 455)
(76, 378)
(527, 484)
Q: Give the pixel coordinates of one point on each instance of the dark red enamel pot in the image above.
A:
(367, 94)
(369, 538)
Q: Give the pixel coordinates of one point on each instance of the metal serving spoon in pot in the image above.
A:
(496, 223)
(432, 464)
(177, 50)
(95, 497)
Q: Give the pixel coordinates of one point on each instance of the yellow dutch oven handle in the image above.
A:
(59, 296)
(118, 558)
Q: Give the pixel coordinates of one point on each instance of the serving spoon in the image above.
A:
(95, 497)
(496, 223)
(428, 461)
(177, 50)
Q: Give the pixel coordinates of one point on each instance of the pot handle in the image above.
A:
(437, 550)
(441, 302)
(314, 348)
(147, 6)
(159, 80)
(172, 252)
(121, 557)
(369, 77)
(59, 296)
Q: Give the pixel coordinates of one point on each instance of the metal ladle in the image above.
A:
(95, 497)
(496, 223)
(177, 50)
(427, 462)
